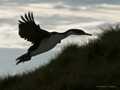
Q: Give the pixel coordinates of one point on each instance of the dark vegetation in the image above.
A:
(93, 66)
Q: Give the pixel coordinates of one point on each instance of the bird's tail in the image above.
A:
(23, 58)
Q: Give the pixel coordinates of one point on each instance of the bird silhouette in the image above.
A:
(41, 40)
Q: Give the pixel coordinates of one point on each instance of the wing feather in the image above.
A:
(26, 17)
(29, 15)
(29, 30)
(32, 18)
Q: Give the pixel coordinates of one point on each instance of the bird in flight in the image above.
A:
(41, 39)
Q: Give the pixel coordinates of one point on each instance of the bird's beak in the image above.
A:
(88, 34)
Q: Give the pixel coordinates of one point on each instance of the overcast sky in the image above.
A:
(52, 15)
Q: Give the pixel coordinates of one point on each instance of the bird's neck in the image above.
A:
(67, 33)
(59, 36)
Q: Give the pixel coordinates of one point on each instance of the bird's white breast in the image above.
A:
(47, 44)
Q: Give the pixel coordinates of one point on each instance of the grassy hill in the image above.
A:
(93, 66)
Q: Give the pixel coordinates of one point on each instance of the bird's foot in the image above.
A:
(23, 58)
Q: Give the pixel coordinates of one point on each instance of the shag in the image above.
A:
(41, 39)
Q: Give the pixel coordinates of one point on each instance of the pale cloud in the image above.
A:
(54, 16)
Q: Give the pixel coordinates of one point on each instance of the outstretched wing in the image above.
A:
(29, 30)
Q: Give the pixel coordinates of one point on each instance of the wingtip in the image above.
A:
(23, 18)
(20, 22)
(32, 17)
(27, 17)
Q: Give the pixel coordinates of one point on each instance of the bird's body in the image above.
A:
(49, 43)
(42, 40)
(46, 44)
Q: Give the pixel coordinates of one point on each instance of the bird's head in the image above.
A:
(79, 32)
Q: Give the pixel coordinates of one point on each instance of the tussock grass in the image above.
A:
(93, 66)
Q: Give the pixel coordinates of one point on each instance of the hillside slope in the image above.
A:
(94, 66)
